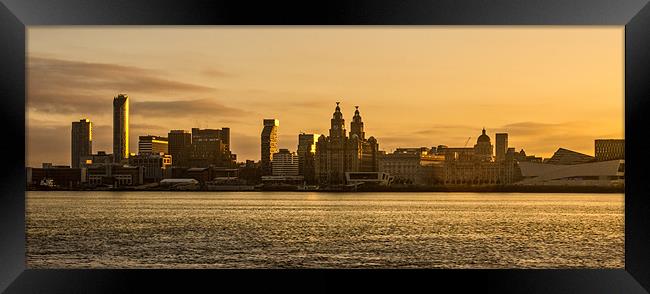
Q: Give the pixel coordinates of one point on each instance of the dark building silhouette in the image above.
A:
(522, 157)
(115, 175)
(337, 153)
(501, 147)
(121, 127)
(250, 172)
(210, 147)
(609, 149)
(307, 156)
(155, 166)
(99, 159)
(59, 176)
(483, 148)
(476, 166)
(82, 141)
(179, 142)
(269, 144)
(566, 156)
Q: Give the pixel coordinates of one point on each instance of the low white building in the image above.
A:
(376, 178)
(179, 181)
(284, 163)
(603, 173)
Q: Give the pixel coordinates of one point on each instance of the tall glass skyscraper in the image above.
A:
(121, 127)
(269, 144)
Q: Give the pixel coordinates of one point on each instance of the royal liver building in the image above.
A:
(337, 153)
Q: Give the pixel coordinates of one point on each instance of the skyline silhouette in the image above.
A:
(547, 87)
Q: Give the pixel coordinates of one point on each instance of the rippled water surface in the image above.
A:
(322, 230)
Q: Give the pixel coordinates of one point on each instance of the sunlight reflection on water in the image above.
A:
(323, 230)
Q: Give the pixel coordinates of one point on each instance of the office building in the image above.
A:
(210, 147)
(285, 163)
(115, 175)
(456, 153)
(269, 144)
(412, 166)
(155, 166)
(56, 176)
(337, 153)
(121, 127)
(501, 147)
(152, 145)
(609, 149)
(82, 141)
(95, 160)
(179, 143)
(475, 166)
(306, 156)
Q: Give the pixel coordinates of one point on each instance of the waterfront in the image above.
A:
(92, 229)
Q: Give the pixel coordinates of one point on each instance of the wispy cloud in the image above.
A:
(184, 108)
(213, 72)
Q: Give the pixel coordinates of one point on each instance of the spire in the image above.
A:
(337, 128)
(483, 130)
(337, 112)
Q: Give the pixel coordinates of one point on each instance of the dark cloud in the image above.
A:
(66, 103)
(65, 86)
(67, 74)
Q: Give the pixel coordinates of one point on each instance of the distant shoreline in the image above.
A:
(477, 189)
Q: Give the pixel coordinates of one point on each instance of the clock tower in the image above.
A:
(337, 128)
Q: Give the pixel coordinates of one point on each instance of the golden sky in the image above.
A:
(548, 87)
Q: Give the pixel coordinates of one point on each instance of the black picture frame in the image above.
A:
(15, 15)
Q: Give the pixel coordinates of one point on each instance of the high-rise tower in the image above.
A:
(269, 144)
(179, 147)
(121, 127)
(82, 141)
(501, 146)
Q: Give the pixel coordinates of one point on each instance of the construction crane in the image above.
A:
(470, 137)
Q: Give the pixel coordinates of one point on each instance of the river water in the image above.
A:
(323, 230)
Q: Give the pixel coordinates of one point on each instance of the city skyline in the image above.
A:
(63, 89)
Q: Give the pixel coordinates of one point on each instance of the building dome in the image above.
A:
(483, 138)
